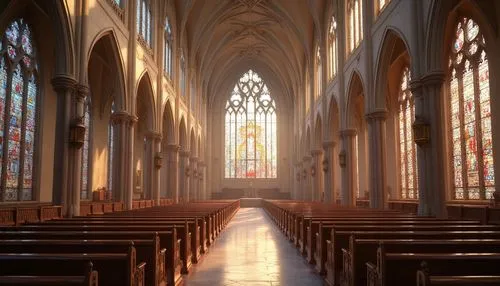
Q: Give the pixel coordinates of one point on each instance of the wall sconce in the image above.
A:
(325, 165)
(158, 160)
(342, 159)
(77, 134)
(421, 132)
(313, 171)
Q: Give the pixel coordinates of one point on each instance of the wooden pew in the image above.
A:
(90, 278)
(147, 251)
(361, 251)
(113, 268)
(424, 278)
(400, 268)
(316, 248)
(168, 240)
(340, 239)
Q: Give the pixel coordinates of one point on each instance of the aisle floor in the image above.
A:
(252, 251)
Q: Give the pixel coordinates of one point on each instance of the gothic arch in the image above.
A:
(145, 95)
(168, 125)
(183, 134)
(106, 45)
(355, 97)
(318, 133)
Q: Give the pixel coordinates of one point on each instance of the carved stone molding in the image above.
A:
(153, 135)
(172, 148)
(193, 159)
(348, 132)
(184, 153)
(315, 153)
(378, 114)
(329, 144)
(82, 91)
(63, 82)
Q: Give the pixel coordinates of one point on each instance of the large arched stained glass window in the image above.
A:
(18, 107)
(167, 49)
(145, 22)
(84, 195)
(354, 24)
(332, 49)
(407, 149)
(250, 149)
(470, 114)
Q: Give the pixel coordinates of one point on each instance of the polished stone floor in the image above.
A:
(252, 251)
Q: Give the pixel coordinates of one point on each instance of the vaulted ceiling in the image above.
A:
(228, 37)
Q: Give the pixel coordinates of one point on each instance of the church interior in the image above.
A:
(249, 142)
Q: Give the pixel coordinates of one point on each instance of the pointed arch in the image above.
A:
(145, 95)
(355, 98)
(318, 133)
(183, 134)
(168, 125)
(192, 144)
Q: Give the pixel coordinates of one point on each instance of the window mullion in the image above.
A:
(479, 133)
(23, 137)
(463, 151)
(5, 157)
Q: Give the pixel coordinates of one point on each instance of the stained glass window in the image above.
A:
(18, 111)
(354, 24)
(167, 49)
(145, 21)
(111, 149)
(318, 74)
(250, 130)
(407, 148)
(332, 49)
(84, 195)
(381, 4)
(470, 114)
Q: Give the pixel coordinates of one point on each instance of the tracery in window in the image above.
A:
(319, 74)
(18, 108)
(84, 193)
(354, 24)
(470, 114)
(167, 49)
(250, 130)
(332, 49)
(407, 148)
(145, 21)
(381, 4)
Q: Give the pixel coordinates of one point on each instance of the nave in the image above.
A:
(252, 251)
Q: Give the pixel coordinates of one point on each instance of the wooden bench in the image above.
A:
(113, 268)
(146, 250)
(424, 278)
(90, 278)
(168, 240)
(400, 268)
(361, 251)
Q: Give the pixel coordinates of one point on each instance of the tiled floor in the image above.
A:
(252, 251)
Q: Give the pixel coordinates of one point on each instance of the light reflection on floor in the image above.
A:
(252, 251)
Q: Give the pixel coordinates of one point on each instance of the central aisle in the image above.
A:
(252, 251)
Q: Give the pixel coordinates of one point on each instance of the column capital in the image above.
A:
(316, 153)
(184, 153)
(435, 77)
(82, 91)
(307, 158)
(329, 144)
(63, 82)
(201, 164)
(132, 119)
(120, 116)
(151, 134)
(348, 132)
(193, 159)
(172, 148)
(377, 114)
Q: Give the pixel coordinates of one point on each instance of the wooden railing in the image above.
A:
(28, 212)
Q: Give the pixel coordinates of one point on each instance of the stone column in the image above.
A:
(172, 171)
(430, 157)
(75, 152)
(299, 182)
(64, 86)
(348, 163)
(317, 175)
(154, 145)
(184, 173)
(377, 152)
(128, 160)
(308, 191)
(193, 178)
(119, 120)
(328, 166)
(201, 180)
